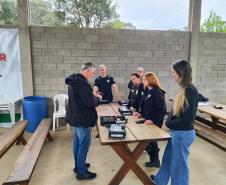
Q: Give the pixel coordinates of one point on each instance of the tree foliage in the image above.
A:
(8, 12)
(42, 13)
(117, 24)
(214, 23)
(87, 13)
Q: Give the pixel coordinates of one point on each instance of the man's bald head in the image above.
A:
(140, 71)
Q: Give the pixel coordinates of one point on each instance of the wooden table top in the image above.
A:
(210, 110)
(134, 132)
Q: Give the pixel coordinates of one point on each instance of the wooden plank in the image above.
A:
(144, 132)
(25, 163)
(214, 125)
(147, 132)
(135, 132)
(9, 137)
(106, 110)
(210, 110)
(215, 137)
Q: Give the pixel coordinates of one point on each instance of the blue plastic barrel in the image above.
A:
(34, 109)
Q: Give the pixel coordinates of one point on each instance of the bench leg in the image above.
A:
(22, 140)
(50, 138)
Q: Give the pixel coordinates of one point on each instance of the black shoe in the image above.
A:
(153, 178)
(86, 176)
(87, 166)
(151, 164)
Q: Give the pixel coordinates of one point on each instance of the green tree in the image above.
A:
(42, 13)
(87, 13)
(214, 23)
(117, 24)
(8, 12)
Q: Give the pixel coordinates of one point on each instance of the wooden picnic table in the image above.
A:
(218, 116)
(135, 133)
(214, 130)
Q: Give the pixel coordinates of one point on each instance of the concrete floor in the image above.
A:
(54, 167)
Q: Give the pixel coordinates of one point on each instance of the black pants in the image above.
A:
(153, 151)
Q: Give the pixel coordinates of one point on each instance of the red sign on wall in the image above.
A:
(2, 57)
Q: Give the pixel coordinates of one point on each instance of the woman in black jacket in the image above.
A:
(152, 109)
(181, 123)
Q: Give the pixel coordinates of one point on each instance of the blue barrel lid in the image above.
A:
(34, 98)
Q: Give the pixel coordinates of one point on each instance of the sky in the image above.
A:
(164, 14)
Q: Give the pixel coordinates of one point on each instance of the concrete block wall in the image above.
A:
(211, 67)
(58, 52)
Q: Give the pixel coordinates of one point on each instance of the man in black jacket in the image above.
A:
(82, 115)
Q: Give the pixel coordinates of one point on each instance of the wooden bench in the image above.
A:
(10, 136)
(28, 158)
(211, 135)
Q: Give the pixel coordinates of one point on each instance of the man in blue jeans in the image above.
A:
(81, 115)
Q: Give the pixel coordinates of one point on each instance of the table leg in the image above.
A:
(130, 159)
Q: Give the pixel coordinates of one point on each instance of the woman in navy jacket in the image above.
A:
(153, 110)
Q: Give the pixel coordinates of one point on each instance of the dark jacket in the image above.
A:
(153, 106)
(186, 121)
(81, 110)
(136, 95)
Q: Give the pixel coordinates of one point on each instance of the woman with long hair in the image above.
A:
(152, 109)
(181, 123)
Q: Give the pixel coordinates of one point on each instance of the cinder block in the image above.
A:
(49, 81)
(106, 52)
(69, 44)
(138, 60)
(63, 66)
(50, 94)
(48, 36)
(39, 44)
(49, 52)
(105, 38)
(35, 36)
(64, 52)
(55, 44)
(146, 53)
(37, 81)
(163, 73)
(56, 74)
(133, 53)
(36, 51)
(157, 54)
(158, 67)
(92, 53)
(120, 53)
(84, 45)
(55, 59)
(78, 52)
(48, 66)
(83, 60)
(37, 59)
(70, 60)
(126, 60)
(57, 87)
(41, 73)
(112, 60)
(91, 38)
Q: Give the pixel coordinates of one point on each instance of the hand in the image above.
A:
(148, 122)
(137, 114)
(99, 96)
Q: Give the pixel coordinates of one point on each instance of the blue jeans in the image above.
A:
(175, 159)
(82, 140)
